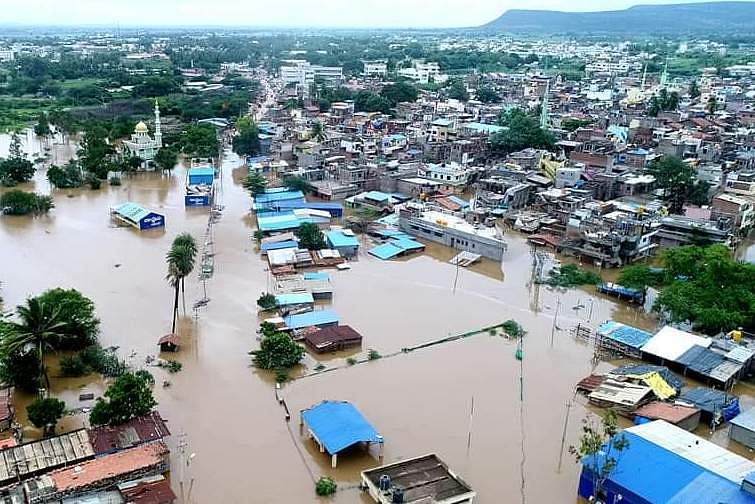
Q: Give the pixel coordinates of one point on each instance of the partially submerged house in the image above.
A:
(332, 339)
(742, 428)
(338, 425)
(137, 216)
(664, 463)
(419, 480)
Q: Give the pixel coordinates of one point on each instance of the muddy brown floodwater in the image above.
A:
(420, 402)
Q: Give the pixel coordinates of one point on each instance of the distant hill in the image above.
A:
(721, 18)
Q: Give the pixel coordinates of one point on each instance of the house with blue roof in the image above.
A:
(344, 241)
(338, 425)
(666, 464)
(137, 216)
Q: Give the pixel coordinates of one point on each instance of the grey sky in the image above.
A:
(322, 13)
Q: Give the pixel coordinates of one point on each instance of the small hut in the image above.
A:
(169, 343)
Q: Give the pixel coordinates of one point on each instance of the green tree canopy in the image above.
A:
(16, 169)
(95, 152)
(247, 139)
(523, 132)
(199, 140)
(45, 413)
(663, 101)
(166, 158)
(399, 92)
(67, 177)
(366, 101)
(128, 397)
(17, 202)
(277, 351)
(706, 286)
(676, 178)
(310, 237)
(77, 313)
(298, 184)
(255, 183)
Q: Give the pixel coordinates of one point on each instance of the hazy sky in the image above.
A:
(316, 13)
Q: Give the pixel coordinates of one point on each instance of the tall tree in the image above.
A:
(180, 258)
(318, 131)
(676, 178)
(188, 253)
(96, 152)
(128, 397)
(166, 158)
(255, 183)
(16, 169)
(247, 139)
(523, 131)
(40, 326)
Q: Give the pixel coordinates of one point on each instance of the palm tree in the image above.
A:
(181, 258)
(40, 327)
(318, 131)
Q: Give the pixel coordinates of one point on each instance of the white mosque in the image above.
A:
(141, 144)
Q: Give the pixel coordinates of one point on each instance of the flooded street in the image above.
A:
(420, 401)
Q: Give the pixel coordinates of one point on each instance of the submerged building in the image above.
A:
(452, 231)
(141, 144)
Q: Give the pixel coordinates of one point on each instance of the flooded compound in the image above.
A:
(419, 401)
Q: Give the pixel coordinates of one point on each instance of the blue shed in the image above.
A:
(137, 216)
(344, 241)
(201, 175)
(337, 425)
(318, 318)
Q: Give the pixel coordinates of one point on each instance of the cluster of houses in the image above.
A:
(115, 464)
(666, 411)
(592, 195)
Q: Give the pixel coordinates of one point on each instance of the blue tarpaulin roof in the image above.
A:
(280, 221)
(202, 170)
(338, 425)
(313, 318)
(708, 399)
(399, 244)
(627, 335)
(294, 298)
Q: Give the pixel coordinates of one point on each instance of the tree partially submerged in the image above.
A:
(599, 450)
(277, 350)
(267, 301)
(310, 237)
(45, 413)
(128, 397)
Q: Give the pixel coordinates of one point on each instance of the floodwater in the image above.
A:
(420, 402)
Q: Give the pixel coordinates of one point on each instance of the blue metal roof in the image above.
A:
(313, 318)
(294, 299)
(269, 197)
(377, 196)
(278, 245)
(708, 399)
(339, 239)
(280, 221)
(338, 425)
(700, 359)
(132, 211)
(745, 419)
(202, 170)
(385, 251)
(316, 275)
(407, 244)
(648, 473)
(627, 335)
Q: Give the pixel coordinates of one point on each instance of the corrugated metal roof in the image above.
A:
(670, 343)
(294, 298)
(313, 318)
(338, 425)
(385, 251)
(701, 452)
(339, 239)
(746, 419)
(132, 211)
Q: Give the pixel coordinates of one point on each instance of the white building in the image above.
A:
(423, 72)
(7, 54)
(452, 175)
(141, 144)
(375, 68)
(303, 74)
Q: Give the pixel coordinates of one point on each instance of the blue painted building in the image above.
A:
(666, 464)
(137, 216)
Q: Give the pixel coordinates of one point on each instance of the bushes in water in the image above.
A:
(73, 366)
(267, 301)
(571, 275)
(513, 329)
(325, 486)
(17, 202)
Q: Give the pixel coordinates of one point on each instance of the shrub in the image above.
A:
(115, 181)
(267, 301)
(513, 329)
(17, 202)
(325, 486)
(571, 275)
(73, 366)
(45, 413)
(277, 351)
(128, 397)
(373, 354)
(351, 361)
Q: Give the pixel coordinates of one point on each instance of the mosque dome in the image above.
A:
(141, 127)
